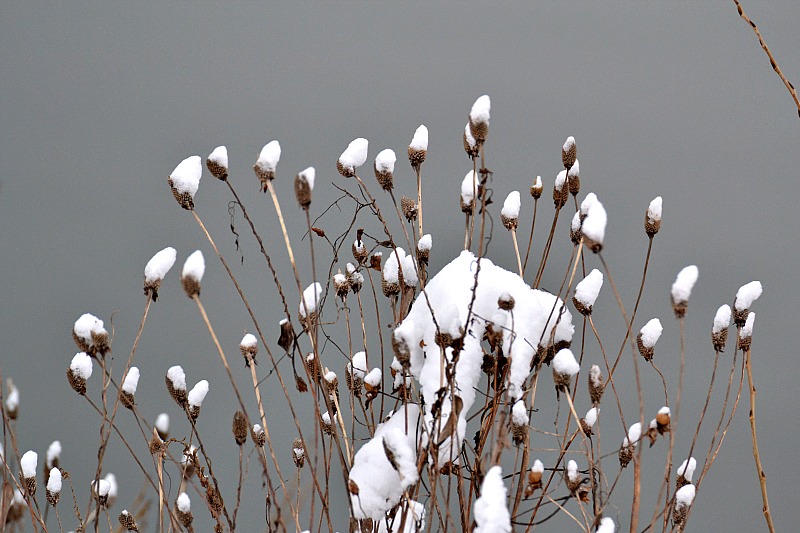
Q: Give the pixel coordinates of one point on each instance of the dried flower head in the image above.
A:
(564, 367)
(745, 296)
(162, 426)
(574, 179)
(509, 215)
(298, 453)
(183, 510)
(569, 152)
(248, 346)
(470, 144)
(652, 218)
(409, 208)
(303, 186)
(560, 190)
(185, 180)
(353, 157)
(479, 119)
(746, 332)
(470, 189)
(647, 338)
(217, 163)
(80, 370)
(682, 289)
(537, 188)
(596, 385)
(586, 292)
(594, 226)
(308, 308)
(418, 148)
(258, 435)
(267, 163)
(719, 331)
(127, 521)
(156, 269)
(195, 398)
(286, 338)
(239, 427)
(12, 401)
(384, 168)
(128, 389)
(53, 490)
(176, 384)
(27, 464)
(192, 273)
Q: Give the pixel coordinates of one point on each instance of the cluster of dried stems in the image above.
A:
(346, 414)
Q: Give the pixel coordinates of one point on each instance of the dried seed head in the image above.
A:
(509, 215)
(470, 144)
(575, 230)
(569, 152)
(505, 301)
(80, 370)
(401, 349)
(537, 188)
(156, 269)
(126, 399)
(594, 226)
(341, 284)
(719, 331)
(303, 185)
(560, 190)
(354, 278)
(479, 119)
(217, 163)
(162, 426)
(745, 296)
(564, 367)
(325, 421)
(183, 510)
(258, 435)
(127, 521)
(360, 249)
(192, 273)
(647, 338)
(625, 454)
(746, 332)
(572, 476)
(298, 453)
(12, 400)
(353, 157)
(652, 218)
(574, 178)
(195, 398)
(384, 168)
(418, 148)
(155, 444)
(375, 261)
(249, 348)
(176, 385)
(596, 385)
(185, 180)
(409, 208)
(684, 497)
(267, 163)
(663, 420)
(682, 289)
(239, 427)
(286, 338)
(470, 189)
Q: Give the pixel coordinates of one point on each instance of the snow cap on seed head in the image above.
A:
(156, 270)
(217, 163)
(564, 367)
(569, 152)
(745, 296)
(469, 186)
(594, 226)
(587, 290)
(303, 185)
(185, 180)
(267, 162)
(384, 168)
(719, 331)
(470, 144)
(491, 512)
(746, 333)
(682, 289)
(192, 273)
(353, 157)
(652, 219)
(537, 188)
(648, 337)
(418, 148)
(479, 118)
(509, 215)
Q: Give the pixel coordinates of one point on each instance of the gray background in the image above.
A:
(99, 103)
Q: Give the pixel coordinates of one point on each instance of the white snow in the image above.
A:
(162, 423)
(587, 203)
(311, 297)
(564, 363)
(569, 144)
(380, 486)
(538, 467)
(258, 430)
(746, 295)
(373, 379)
(664, 411)
(561, 178)
(684, 496)
(491, 512)
(198, 393)
(12, 400)
(355, 155)
(591, 416)
(249, 341)
(385, 160)
(269, 157)
(414, 521)
(420, 140)
(157, 268)
(654, 210)
(219, 156)
(53, 453)
(574, 170)
(595, 376)
(519, 413)
(682, 288)
(575, 225)
(131, 381)
(330, 376)
(27, 463)
(651, 332)
(722, 319)
(511, 205)
(468, 135)
(587, 290)
(183, 503)
(54, 481)
(81, 365)
(101, 487)
(747, 329)
(425, 242)
(481, 110)
(606, 525)
(396, 440)
(594, 226)
(308, 176)
(409, 271)
(194, 267)
(177, 377)
(391, 268)
(687, 468)
(468, 187)
(113, 488)
(359, 367)
(86, 325)
(537, 183)
(186, 176)
(572, 471)
(634, 433)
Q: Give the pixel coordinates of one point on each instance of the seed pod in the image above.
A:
(418, 148)
(298, 453)
(303, 185)
(217, 163)
(239, 427)
(569, 153)
(258, 435)
(384, 168)
(409, 208)
(127, 521)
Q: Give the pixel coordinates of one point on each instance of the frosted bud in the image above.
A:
(418, 148)
(217, 163)
(682, 289)
(652, 218)
(267, 162)
(647, 338)
(156, 269)
(193, 270)
(353, 157)
(185, 180)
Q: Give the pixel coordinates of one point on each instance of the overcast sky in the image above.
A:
(100, 102)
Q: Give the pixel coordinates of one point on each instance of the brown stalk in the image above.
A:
(762, 477)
